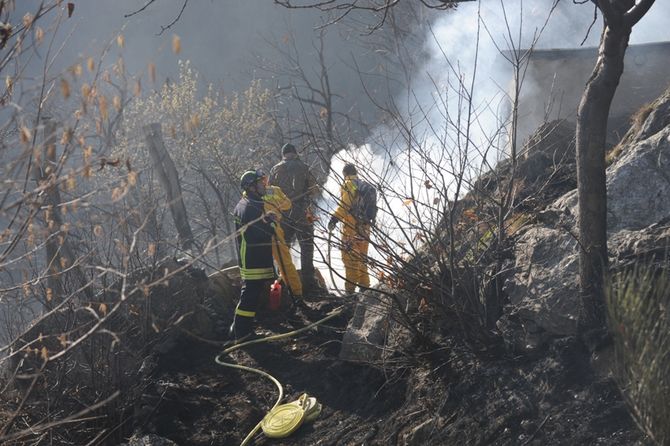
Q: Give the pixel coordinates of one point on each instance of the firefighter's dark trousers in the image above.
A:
(304, 232)
(245, 312)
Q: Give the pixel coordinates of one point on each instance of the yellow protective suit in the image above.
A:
(277, 202)
(355, 239)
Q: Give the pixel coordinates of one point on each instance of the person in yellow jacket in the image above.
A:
(276, 202)
(355, 234)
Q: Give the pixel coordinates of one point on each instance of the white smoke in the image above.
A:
(466, 62)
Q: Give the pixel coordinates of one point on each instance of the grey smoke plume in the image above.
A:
(465, 57)
(465, 48)
(515, 26)
(218, 37)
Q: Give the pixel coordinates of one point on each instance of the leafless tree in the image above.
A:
(619, 18)
(309, 111)
(339, 9)
(83, 231)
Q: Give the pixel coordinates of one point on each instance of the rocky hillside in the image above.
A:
(409, 377)
(537, 385)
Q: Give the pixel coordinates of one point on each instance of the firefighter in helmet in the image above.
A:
(254, 229)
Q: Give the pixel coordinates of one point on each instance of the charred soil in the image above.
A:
(441, 394)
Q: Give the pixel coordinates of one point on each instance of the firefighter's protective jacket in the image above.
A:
(296, 180)
(343, 213)
(355, 238)
(254, 238)
(277, 202)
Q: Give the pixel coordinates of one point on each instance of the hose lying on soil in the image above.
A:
(272, 338)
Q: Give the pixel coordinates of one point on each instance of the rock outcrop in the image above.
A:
(367, 331)
(543, 292)
(543, 288)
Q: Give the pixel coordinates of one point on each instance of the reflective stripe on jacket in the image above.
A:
(254, 239)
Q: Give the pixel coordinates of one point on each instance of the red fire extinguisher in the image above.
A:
(275, 296)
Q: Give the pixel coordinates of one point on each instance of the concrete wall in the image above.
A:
(555, 81)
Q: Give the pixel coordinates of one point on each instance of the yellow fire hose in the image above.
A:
(281, 420)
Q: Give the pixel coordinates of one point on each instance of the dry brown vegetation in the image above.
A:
(638, 302)
(87, 241)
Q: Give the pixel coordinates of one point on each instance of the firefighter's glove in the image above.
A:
(332, 223)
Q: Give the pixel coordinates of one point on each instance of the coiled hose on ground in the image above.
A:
(277, 337)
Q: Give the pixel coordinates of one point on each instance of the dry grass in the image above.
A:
(638, 302)
(636, 122)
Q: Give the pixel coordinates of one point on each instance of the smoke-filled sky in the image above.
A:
(481, 30)
(455, 35)
(220, 37)
(217, 36)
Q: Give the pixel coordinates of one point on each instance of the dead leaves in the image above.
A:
(26, 135)
(39, 35)
(132, 178)
(152, 72)
(64, 88)
(28, 19)
(71, 183)
(102, 105)
(424, 308)
(193, 123)
(176, 44)
(5, 33)
(116, 103)
(76, 70)
(66, 138)
(470, 214)
(86, 91)
(88, 153)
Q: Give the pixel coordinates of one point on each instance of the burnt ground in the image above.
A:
(437, 396)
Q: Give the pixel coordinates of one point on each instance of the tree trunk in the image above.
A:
(591, 135)
(167, 173)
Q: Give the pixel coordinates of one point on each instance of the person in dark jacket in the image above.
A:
(254, 231)
(296, 180)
